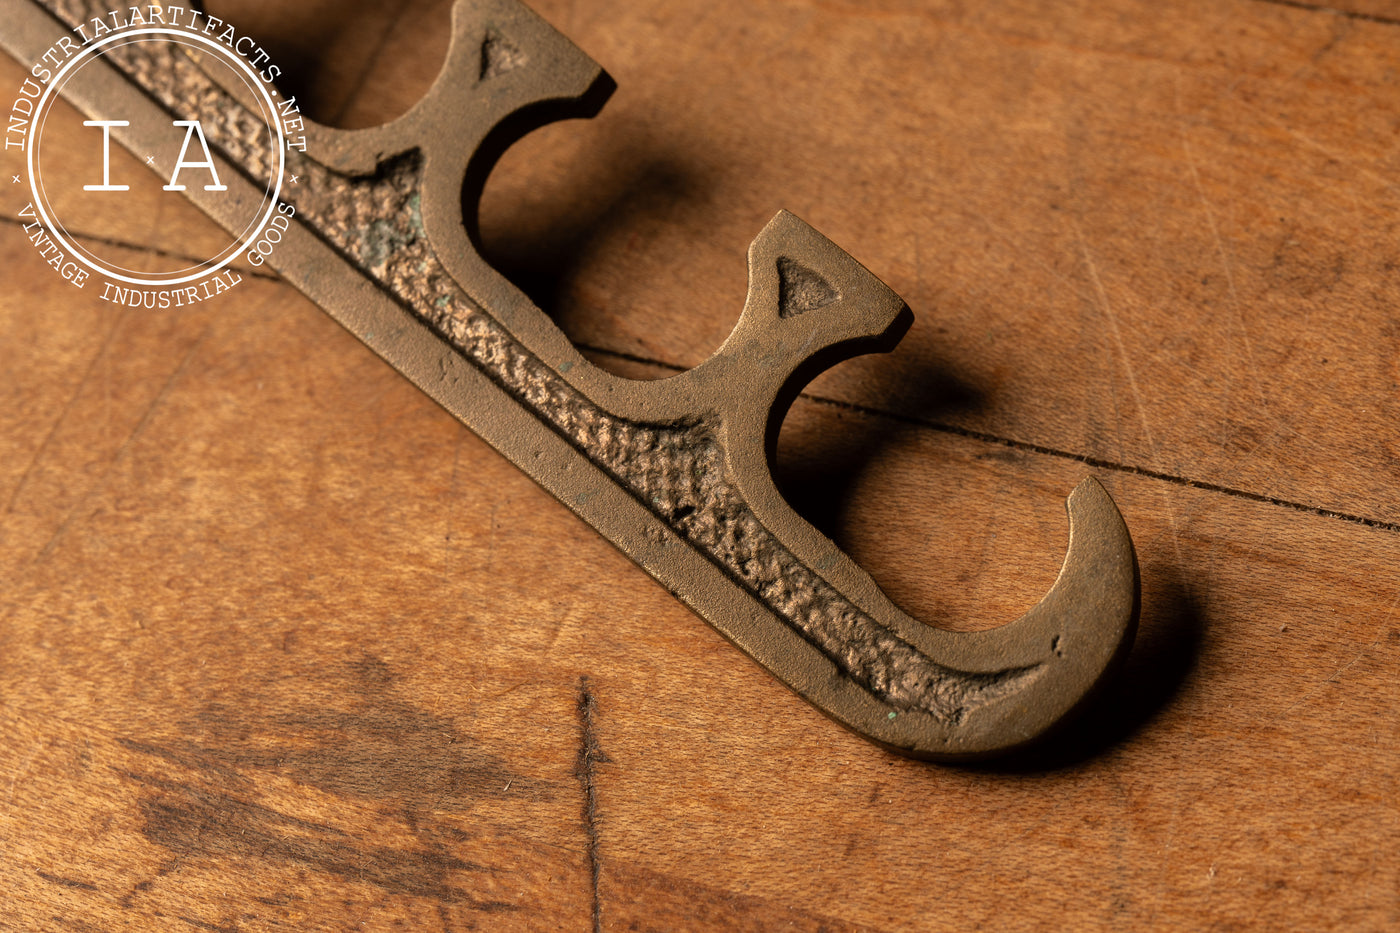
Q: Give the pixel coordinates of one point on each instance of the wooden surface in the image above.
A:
(283, 647)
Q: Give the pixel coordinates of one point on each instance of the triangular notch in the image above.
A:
(800, 289)
(499, 55)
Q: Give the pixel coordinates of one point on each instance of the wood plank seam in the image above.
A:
(590, 754)
(154, 250)
(1031, 447)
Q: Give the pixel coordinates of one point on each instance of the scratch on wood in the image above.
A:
(43, 447)
(121, 450)
(590, 754)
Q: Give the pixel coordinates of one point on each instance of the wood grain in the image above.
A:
(283, 647)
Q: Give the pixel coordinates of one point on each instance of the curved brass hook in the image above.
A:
(947, 694)
(677, 472)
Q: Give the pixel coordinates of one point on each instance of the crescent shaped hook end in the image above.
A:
(1026, 680)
